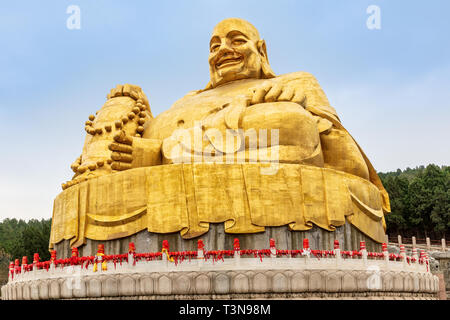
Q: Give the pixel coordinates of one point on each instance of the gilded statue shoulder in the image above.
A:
(179, 102)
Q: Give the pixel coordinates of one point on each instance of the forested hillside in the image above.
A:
(20, 238)
(420, 201)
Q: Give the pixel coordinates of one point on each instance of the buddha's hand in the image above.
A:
(132, 152)
(275, 91)
(129, 90)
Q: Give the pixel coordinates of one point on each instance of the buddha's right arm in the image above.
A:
(126, 110)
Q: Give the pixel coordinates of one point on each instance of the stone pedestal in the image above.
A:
(233, 278)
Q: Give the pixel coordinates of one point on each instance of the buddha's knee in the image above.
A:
(293, 125)
(340, 152)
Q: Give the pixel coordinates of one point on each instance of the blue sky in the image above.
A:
(389, 86)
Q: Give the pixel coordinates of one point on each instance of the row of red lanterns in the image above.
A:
(216, 254)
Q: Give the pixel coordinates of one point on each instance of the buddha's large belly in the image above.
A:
(278, 131)
(287, 125)
(295, 125)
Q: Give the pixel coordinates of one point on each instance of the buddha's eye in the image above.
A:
(238, 42)
(214, 47)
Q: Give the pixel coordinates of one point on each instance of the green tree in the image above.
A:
(19, 238)
(419, 200)
(397, 188)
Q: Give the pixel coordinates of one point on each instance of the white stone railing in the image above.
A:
(236, 259)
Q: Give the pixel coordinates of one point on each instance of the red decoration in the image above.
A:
(165, 245)
(17, 268)
(305, 243)
(53, 255)
(236, 244)
(200, 244)
(215, 255)
(101, 249)
(362, 245)
(336, 244)
(74, 252)
(272, 243)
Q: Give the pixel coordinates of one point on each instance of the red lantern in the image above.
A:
(336, 244)
(36, 258)
(24, 260)
(101, 249)
(272, 243)
(305, 243)
(384, 247)
(200, 244)
(236, 244)
(17, 266)
(74, 252)
(131, 248)
(362, 245)
(53, 255)
(165, 245)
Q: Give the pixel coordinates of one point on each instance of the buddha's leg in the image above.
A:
(298, 135)
(340, 152)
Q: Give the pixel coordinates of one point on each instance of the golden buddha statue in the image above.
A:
(323, 176)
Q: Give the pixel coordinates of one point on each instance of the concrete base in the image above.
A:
(233, 278)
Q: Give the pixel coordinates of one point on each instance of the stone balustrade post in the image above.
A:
(403, 253)
(11, 271)
(306, 249)
(385, 254)
(428, 244)
(399, 239)
(444, 248)
(165, 252)
(52, 260)
(414, 254)
(201, 252)
(337, 253)
(131, 253)
(35, 263)
(17, 269)
(237, 251)
(362, 249)
(24, 264)
(273, 249)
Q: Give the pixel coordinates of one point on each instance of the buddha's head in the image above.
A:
(236, 52)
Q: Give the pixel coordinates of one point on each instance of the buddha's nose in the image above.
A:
(224, 49)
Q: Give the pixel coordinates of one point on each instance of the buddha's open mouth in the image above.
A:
(226, 61)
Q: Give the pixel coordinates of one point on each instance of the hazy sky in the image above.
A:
(390, 86)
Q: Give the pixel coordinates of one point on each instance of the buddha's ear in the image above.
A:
(265, 66)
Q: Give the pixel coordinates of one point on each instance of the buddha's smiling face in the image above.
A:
(234, 52)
